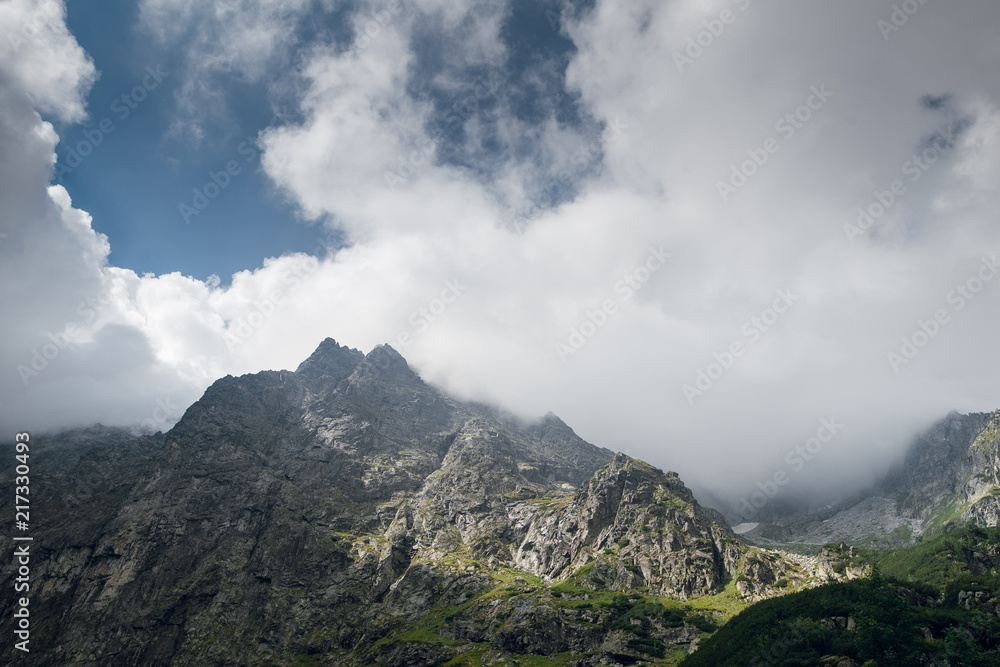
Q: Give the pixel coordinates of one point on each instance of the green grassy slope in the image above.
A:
(936, 602)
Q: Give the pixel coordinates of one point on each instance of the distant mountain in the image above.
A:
(952, 473)
(950, 476)
(934, 603)
(935, 596)
(347, 513)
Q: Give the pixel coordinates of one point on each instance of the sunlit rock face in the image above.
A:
(321, 510)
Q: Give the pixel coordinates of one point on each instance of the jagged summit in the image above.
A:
(389, 364)
(388, 352)
(330, 362)
(314, 512)
(551, 421)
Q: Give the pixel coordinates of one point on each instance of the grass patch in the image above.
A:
(939, 559)
(910, 589)
(727, 602)
(949, 512)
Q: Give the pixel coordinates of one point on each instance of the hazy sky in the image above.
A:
(701, 232)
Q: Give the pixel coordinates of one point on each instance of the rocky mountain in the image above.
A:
(935, 604)
(928, 537)
(950, 475)
(347, 513)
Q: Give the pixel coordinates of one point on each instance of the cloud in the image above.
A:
(70, 354)
(806, 137)
(51, 68)
(249, 41)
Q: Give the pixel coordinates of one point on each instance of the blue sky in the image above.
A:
(692, 229)
(138, 175)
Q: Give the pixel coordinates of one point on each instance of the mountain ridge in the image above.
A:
(349, 513)
(949, 475)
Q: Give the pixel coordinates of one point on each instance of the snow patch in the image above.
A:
(744, 528)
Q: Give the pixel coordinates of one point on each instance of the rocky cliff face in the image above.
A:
(981, 492)
(348, 513)
(665, 541)
(951, 473)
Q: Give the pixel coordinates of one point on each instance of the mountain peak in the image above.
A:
(330, 361)
(386, 352)
(329, 346)
(640, 469)
(354, 481)
(388, 362)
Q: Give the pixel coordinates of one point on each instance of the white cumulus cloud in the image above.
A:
(751, 161)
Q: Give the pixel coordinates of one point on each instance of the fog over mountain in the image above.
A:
(743, 241)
